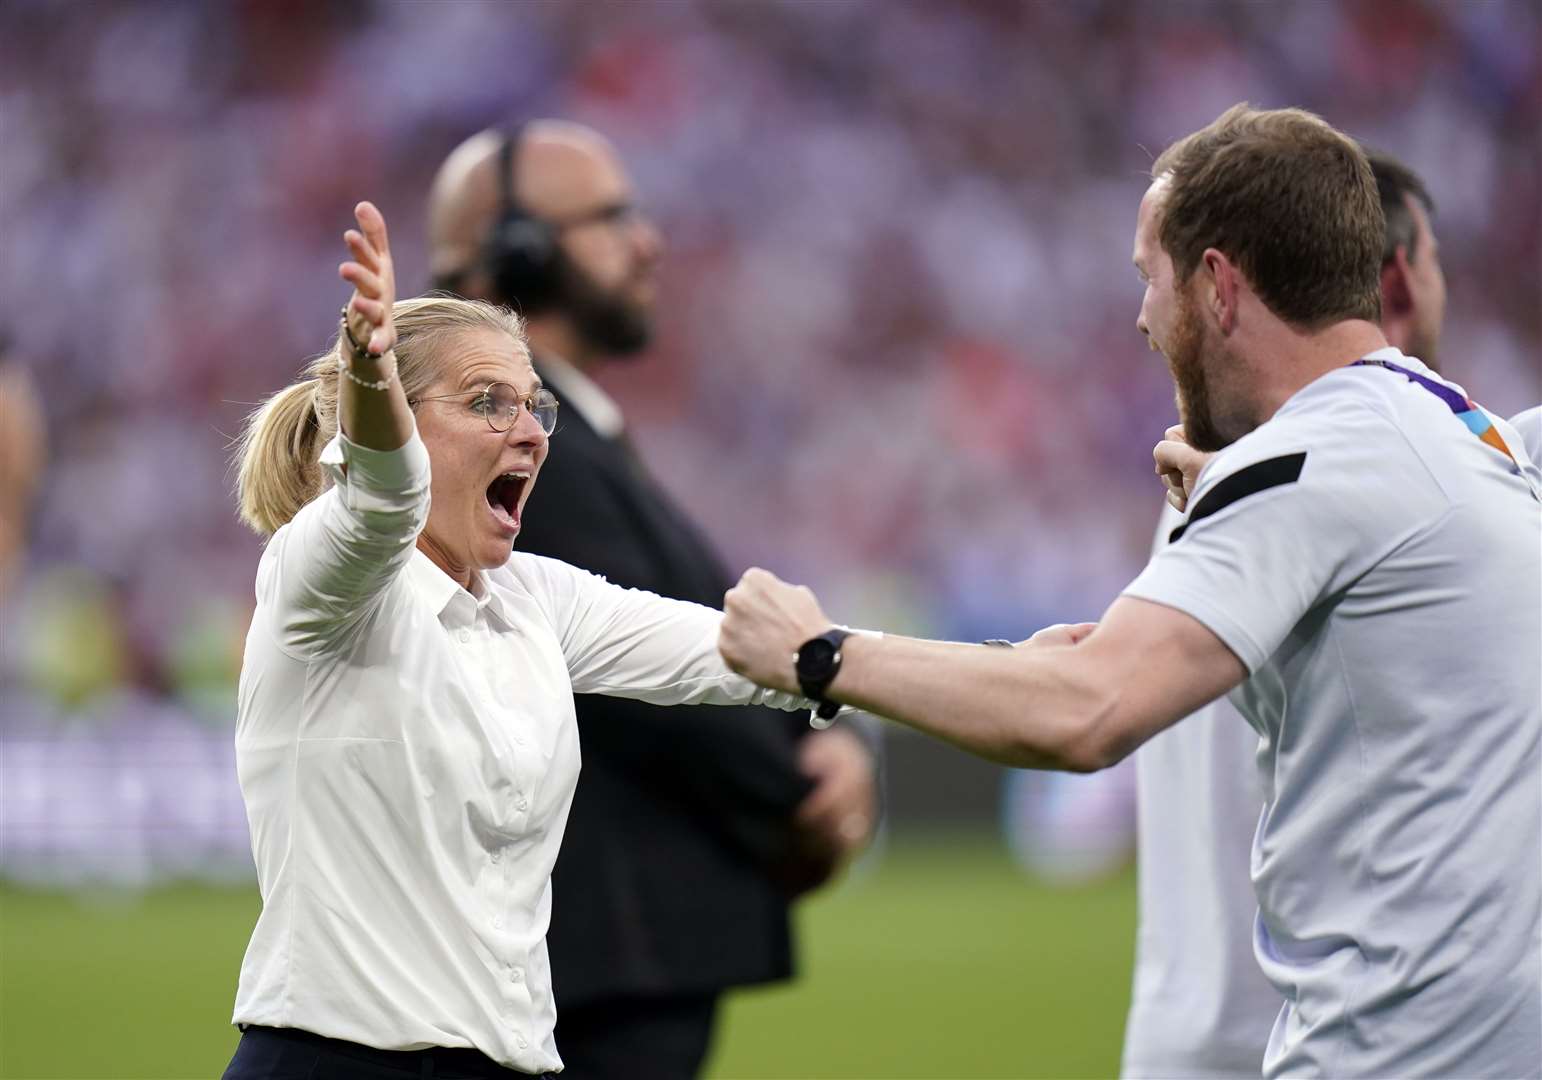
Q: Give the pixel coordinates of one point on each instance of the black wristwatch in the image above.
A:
(817, 662)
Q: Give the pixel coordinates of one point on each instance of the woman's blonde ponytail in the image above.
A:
(278, 453)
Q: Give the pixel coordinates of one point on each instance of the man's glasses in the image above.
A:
(499, 404)
(617, 215)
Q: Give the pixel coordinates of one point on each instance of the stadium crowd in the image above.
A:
(895, 237)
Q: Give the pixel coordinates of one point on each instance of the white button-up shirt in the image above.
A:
(408, 752)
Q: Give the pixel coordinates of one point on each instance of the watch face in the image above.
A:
(815, 659)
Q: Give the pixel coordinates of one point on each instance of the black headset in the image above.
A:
(520, 252)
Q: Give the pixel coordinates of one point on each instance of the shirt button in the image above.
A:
(522, 804)
(517, 975)
(497, 855)
(465, 635)
(520, 1042)
(497, 922)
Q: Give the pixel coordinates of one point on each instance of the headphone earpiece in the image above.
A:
(521, 253)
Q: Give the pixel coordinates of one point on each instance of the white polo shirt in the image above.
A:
(1376, 567)
(408, 752)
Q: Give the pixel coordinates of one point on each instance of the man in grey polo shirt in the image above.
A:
(1200, 1006)
(1360, 564)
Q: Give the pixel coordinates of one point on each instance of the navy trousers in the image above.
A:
(636, 1038)
(292, 1054)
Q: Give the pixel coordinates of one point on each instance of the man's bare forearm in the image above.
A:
(1077, 698)
(1036, 706)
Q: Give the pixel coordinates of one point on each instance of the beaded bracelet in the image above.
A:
(361, 352)
(381, 384)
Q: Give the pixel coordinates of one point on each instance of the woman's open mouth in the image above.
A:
(503, 496)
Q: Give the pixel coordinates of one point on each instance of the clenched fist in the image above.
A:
(765, 621)
(1179, 465)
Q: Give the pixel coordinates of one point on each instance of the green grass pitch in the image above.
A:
(942, 960)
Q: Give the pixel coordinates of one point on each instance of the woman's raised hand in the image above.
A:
(373, 278)
(371, 408)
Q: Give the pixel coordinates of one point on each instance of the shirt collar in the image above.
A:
(582, 394)
(434, 586)
(1393, 355)
(492, 599)
(449, 601)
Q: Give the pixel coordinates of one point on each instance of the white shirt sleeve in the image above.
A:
(323, 572)
(1283, 518)
(636, 644)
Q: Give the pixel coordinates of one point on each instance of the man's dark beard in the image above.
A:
(604, 318)
(1183, 360)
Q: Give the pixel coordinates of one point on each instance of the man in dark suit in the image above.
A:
(692, 829)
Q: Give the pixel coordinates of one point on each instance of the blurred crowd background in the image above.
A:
(897, 358)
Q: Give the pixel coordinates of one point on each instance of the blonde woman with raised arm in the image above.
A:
(405, 738)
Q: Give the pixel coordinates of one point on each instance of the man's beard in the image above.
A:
(605, 319)
(1184, 354)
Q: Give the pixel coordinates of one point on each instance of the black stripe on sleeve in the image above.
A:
(1259, 476)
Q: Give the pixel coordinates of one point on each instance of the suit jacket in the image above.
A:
(675, 869)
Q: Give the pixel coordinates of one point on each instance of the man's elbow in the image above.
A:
(1088, 741)
(1094, 752)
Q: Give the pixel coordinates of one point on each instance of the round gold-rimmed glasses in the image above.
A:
(499, 404)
